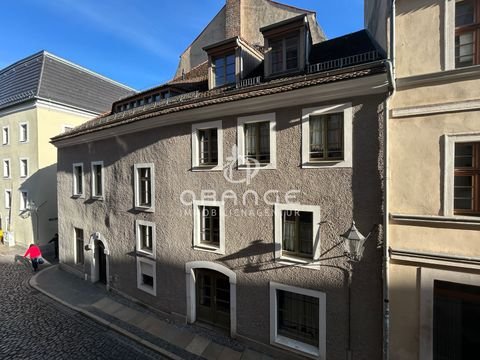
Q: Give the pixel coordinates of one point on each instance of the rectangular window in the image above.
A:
(144, 186)
(467, 179)
(77, 179)
(5, 135)
(23, 200)
(297, 232)
(224, 69)
(145, 236)
(284, 53)
(209, 220)
(146, 275)
(6, 168)
(23, 167)
(467, 33)
(456, 315)
(23, 135)
(326, 137)
(8, 199)
(297, 319)
(207, 146)
(79, 246)
(97, 179)
(257, 141)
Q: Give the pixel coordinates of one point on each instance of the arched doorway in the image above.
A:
(99, 261)
(101, 258)
(211, 295)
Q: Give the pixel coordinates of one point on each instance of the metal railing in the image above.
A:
(344, 62)
(249, 82)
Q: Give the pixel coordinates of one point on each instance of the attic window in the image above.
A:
(284, 53)
(224, 69)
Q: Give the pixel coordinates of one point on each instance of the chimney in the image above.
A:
(232, 18)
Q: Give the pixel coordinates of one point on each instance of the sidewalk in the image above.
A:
(175, 341)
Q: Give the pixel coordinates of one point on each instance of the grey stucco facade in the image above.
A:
(341, 194)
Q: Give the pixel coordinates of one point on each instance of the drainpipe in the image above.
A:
(386, 242)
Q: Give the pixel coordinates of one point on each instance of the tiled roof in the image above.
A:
(46, 76)
(222, 95)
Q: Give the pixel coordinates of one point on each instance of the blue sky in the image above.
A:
(135, 42)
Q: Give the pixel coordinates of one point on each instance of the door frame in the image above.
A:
(191, 290)
(95, 266)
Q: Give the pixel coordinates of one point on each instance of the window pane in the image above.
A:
(145, 186)
(463, 155)
(276, 55)
(289, 233)
(305, 233)
(147, 280)
(291, 50)
(210, 224)
(298, 317)
(316, 138)
(464, 12)
(335, 135)
(464, 49)
(463, 192)
(207, 141)
(257, 141)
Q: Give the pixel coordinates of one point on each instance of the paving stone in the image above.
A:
(198, 345)
(229, 354)
(213, 351)
(182, 339)
(249, 354)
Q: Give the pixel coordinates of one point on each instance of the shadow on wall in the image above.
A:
(42, 197)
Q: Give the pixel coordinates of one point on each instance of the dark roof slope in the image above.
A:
(46, 76)
(356, 43)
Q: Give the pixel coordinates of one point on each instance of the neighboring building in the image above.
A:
(42, 96)
(433, 170)
(158, 198)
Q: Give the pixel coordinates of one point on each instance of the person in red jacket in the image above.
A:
(34, 252)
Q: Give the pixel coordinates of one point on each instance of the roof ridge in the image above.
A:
(22, 61)
(41, 74)
(291, 7)
(91, 72)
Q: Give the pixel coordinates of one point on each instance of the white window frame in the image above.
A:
(75, 253)
(8, 205)
(315, 210)
(26, 167)
(74, 180)
(427, 278)
(347, 135)
(140, 285)
(7, 162)
(197, 224)
(23, 206)
(195, 146)
(153, 252)
(136, 181)
(27, 130)
(241, 121)
(93, 179)
(7, 142)
(295, 345)
(449, 168)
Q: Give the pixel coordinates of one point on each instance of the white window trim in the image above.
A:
(449, 168)
(153, 253)
(241, 121)
(20, 132)
(427, 278)
(95, 196)
(3, 135)
(195, 145)
(284, 342)
(197, 223)
(147, 289)
(27, 168)
(9, 168)
(449, 35)
(22, 208)
(74, 181)
(137, 167)
(5, 198)
(347, 135)
(315, 210)
(75, 257)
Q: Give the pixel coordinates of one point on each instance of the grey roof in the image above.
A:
(46, 76)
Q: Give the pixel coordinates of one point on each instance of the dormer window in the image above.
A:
(224, 69)
(284, 53)
(286, 44)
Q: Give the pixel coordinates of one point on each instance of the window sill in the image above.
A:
(201, 168)
(325, 164)
(146, 254)
(296, 261)
(431, 219)
(297, 346)
(150, 209)
(266, 166)
(147, 289)
(210, 249)
(100, 198)
(78, 196)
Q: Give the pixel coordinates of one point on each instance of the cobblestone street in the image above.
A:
(32, 326)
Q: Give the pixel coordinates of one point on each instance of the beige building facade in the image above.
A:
(433, 264)
(35, 105)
